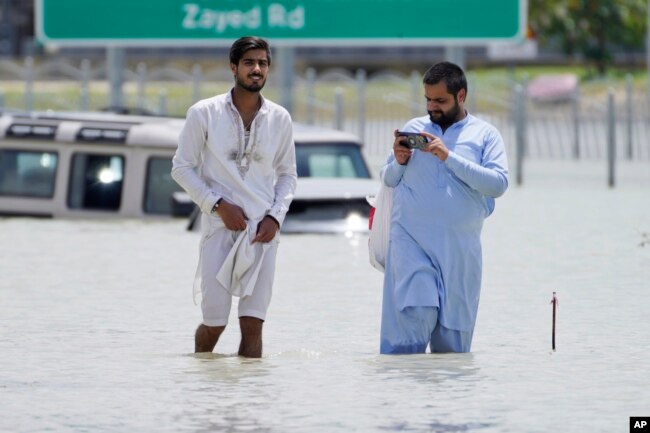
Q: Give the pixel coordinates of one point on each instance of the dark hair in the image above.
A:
(247, 43)
(450, 73)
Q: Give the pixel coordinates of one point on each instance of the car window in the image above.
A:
(27, 173)
(159, 186)
(342, 160)
(96, 181)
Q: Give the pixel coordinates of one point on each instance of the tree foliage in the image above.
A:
(590, 27)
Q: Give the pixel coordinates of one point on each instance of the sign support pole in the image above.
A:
(286, 69)
(455, 54)
(115, 60)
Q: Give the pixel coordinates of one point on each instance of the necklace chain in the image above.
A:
(248, 127)
(259, 105)
(244, 153)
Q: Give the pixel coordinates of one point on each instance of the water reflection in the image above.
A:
(230, 368)
(228, 395)
(442, 389)
(437, 427)
(219, 418)
(432, 368)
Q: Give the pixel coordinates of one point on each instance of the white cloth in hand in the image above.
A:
(240, 270)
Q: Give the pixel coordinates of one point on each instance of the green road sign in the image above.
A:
(289, 22)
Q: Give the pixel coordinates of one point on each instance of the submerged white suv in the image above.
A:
(106, 165)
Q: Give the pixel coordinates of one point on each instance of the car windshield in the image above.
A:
(330, 159)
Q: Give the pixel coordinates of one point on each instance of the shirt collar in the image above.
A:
(459, 124)
(464, 121)
(263, 108)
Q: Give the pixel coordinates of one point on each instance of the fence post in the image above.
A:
(141, 71)
(311, 98)
(285, 59)
(520, 131)
(29, 83)
(115, 61)
(361, 103)
(472, 94)
(575, 105)
(84, 91)
(416, 93)
(338, 109)
(162, 102)
(611, 139)
(196, 82)
(522, 110)
(629, 114)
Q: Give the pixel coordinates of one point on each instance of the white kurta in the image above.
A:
(214, 160)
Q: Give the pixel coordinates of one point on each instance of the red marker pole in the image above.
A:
(554, 301)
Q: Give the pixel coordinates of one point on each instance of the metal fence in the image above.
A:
(368, 105)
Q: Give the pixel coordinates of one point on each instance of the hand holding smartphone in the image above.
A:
(413, 140)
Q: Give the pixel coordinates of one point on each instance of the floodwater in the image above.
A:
(97, 321)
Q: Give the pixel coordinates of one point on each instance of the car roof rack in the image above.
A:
(30, 129)
(102, 134)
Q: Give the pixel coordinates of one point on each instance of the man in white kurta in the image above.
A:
(441, 196)
(236, 160)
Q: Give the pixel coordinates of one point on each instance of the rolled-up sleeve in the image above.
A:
(188, 156)
(285, 170)
(391, 174)
(491, 176)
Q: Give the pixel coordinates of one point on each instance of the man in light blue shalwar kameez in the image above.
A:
(441, 196)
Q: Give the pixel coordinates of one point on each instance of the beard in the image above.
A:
(445, 118)
(254, 87)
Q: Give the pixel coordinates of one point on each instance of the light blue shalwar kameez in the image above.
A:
(433, 270)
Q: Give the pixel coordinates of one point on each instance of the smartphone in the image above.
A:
(413, 140)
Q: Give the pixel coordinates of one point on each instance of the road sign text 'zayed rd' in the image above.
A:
(292, 22)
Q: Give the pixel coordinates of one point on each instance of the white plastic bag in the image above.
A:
(380, 229)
